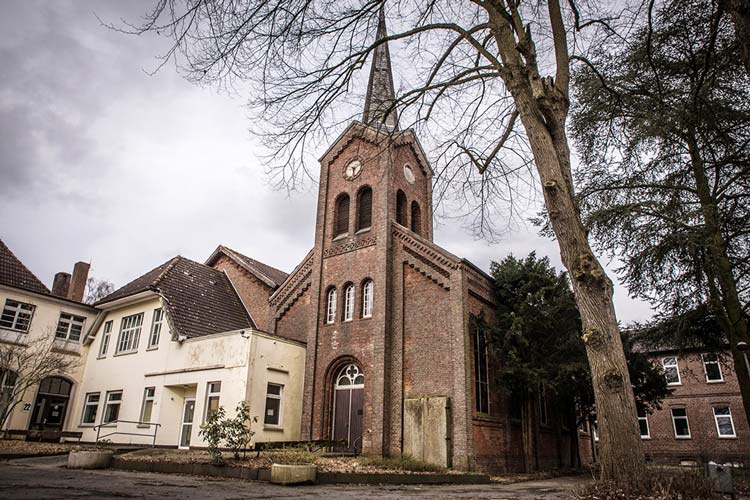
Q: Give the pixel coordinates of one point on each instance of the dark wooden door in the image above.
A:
(348, 415)
(355, 426)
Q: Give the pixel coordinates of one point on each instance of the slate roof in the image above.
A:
(14, 273)
(199, 300)
(269, 275)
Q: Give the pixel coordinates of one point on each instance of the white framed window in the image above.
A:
(274, 398)
(368, 291)
(671, 370)
(106, 335)
(213, 394)
(16, 315)
(156, 322)
(331, 306)
(130, 333)
(90, 408)
(643, 424)
(147, 407)
(680, 423)
(712, 367)
(69, 327)
(349, 303)
(724, 422)
(112, 406)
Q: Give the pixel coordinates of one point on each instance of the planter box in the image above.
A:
(292, 474)
(89, 459)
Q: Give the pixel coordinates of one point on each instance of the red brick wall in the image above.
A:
(293, 324)
(253, 292)
(698, 397)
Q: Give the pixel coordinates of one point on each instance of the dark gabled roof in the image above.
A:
(14, 273)
(269, 275)
(199, 299)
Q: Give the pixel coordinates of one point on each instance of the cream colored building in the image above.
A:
(30, 311)
(175, 344)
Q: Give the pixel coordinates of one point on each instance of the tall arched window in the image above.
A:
(341, 217)
(368, 292)
(364, 208)
(481, 380)
(349, 302)
(331, 306)
(401, 208)
(416, 218)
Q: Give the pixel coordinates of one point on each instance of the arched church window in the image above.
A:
(350, 377)
(368, 292)
(331, 306)
(341, 217)
(364, 208)
(349, 302)
(401, 208)
(416, 218)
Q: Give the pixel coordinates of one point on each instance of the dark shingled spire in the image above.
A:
(380, 93)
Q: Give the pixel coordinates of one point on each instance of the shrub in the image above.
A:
(237, 430)
(213, 431)
(655, 485)
(292, 456)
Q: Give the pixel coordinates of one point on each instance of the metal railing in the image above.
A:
(116, 432)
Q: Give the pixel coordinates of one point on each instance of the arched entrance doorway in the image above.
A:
(348, 406)
(51, 404)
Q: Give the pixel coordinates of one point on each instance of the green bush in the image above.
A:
(292, 456)
(403, 462)
(237, 432)
(655, 485)
(213, 431)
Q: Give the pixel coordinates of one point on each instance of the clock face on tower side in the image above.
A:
(353, 169)
(409, 174)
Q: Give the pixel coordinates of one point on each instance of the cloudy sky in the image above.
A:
(101, 162)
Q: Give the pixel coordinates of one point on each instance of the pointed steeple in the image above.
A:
(380, 93)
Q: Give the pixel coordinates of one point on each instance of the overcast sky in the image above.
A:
(101, 162)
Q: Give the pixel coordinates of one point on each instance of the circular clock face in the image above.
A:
(409, 174)
(353, 169)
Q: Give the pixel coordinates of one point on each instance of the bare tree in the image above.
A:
(24, 363)
(490, 85)
(97, 289)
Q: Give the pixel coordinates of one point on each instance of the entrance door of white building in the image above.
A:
(186, 425)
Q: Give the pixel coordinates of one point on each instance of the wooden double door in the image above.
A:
(348, 408)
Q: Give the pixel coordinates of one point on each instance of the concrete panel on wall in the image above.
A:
(426, 429)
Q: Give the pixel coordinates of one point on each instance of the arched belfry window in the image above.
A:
(341, 217)
(331, 306)
(416, 218)
(401, 208)
(368, 293)
(350, 377)
(364, 208)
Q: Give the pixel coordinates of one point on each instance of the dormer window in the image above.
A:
(364, 208)
(341, 216)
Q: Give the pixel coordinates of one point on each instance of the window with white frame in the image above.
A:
(724, 422)
(643, 423)
(680, 423)
(16, 315)
(153, 338)
(69, 327)
(112, 406)
(671, 370)
(90, 408)
(368, 290)
(331, 306)
(712, 367)
(213, 394)
(349, 303)
(274, 395)
(130, 332)
(106, 335)
(147, 407)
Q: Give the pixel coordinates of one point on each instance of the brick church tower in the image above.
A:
(393, 364)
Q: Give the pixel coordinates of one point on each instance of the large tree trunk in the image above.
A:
(725, 300)
(542, 106)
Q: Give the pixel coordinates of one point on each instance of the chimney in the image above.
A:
(61, 285)
(78, 283)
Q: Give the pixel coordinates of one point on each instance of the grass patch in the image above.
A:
(655, 485)
(404, 462)
(291, 456)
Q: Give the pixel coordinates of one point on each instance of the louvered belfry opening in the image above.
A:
(401, 208)
(416, 217)
(364, 208)
(341, 222)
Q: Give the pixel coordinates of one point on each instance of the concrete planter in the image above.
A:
(292, 474)
(89, 459)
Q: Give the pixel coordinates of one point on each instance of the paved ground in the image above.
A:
(45, 478)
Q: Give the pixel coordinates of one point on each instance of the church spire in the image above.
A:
(380, 93)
